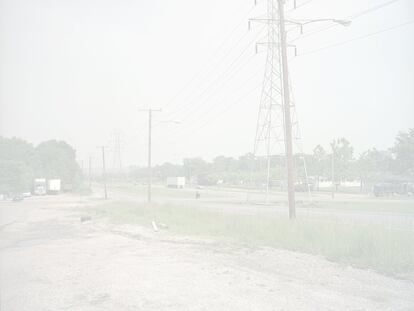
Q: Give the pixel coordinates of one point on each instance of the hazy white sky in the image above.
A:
(77, 70)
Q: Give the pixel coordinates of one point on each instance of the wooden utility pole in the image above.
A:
(90, 172)
(150, 111)
(333, 173)
(287, 115)
(104, 172)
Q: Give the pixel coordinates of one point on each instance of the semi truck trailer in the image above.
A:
(54, 186)
(176, 182)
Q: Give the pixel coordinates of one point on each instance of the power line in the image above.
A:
(222, 85)
(223, 102)
(220, 47)
(220, 113)
(205, 114)
(211, 69)
(373, 9)
(357, 38)
(188, 98)
(210, 86)
(352, 17)
(303, 4)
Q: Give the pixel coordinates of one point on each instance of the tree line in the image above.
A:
(22, 162)
(338, 163)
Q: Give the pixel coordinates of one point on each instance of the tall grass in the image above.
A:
(372, 246)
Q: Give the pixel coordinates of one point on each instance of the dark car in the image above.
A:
(391, 188)
(18, 197)
(303, 187)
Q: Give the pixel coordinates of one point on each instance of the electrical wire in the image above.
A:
(373, 9)
(223, 103)
(223, 74)
(205, 114)
(210, 71)
(356, 38)
(352, 17)
(218, 115)
(221, 113)
(220, 47)
(222, 85)
(303, 4)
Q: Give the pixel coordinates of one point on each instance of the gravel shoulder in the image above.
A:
(51, 260)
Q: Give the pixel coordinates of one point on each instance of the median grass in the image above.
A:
(384, 249)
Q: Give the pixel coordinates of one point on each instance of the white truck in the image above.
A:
(176, 182)
(39, 186)
(54, 186)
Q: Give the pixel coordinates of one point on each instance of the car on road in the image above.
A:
(17, 197)
(303, 186)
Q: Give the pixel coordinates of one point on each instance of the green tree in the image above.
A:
(169, 170)
(227, 169)
(16, 165)
(372, 166)
(403, 152)
(57, 159)
(247, 162)
(195, 167)
(343, 156)
(319, 163)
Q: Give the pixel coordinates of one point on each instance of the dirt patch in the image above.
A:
(101, 266)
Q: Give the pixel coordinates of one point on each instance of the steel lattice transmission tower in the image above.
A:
(116, 144)
(274, 123)
(277, 124)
